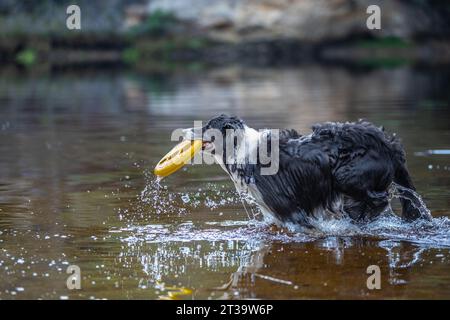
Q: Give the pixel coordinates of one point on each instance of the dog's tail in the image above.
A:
(411, 202)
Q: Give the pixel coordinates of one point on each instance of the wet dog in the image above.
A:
(344, 169)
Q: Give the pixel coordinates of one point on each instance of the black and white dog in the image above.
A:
(343, 169)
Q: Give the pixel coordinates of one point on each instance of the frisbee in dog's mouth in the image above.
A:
(176, 158)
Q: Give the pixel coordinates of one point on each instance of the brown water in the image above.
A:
(77, 149)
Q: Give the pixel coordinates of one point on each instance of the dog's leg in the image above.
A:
(364, 182)
(369, 207)
(409, 210)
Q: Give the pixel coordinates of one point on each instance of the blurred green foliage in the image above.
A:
(26, 57)
(162, 49)
(158, 23)
(130, 55)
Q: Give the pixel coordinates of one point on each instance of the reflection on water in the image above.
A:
(75, 187)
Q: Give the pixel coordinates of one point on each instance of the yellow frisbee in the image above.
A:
(176, 158)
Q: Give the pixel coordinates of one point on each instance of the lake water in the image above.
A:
(76, 153)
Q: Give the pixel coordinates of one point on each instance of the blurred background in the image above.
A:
(86, 114)
(156, 34)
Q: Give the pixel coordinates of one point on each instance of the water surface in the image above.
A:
(76, 153)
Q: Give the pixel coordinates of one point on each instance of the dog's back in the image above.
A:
(351, 163)
(366, 162)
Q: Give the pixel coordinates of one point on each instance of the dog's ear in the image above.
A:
(228, 125)
(236, 122)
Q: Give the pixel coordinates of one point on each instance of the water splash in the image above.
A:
(400, 192)
(434, 232)
(157, 199)
(210, 232)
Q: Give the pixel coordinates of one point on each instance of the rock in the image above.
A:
(305, 20)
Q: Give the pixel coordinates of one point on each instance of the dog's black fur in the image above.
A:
(352, 162)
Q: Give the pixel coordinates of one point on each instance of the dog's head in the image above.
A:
(235, 146)
(215, 133)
